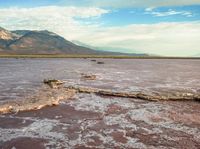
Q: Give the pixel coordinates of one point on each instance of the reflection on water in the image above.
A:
(19, 77)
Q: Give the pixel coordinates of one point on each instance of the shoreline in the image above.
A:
(91, 56)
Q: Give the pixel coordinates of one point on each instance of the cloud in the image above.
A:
(132, 3)
(149, 9)
(172, 39)
(62, 20)
(170, 12)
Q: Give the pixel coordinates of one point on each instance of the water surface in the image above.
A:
(92, 121)
(20, 77)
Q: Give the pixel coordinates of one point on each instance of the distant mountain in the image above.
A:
(110, 49)
(38, 42)
(43, 42)
(20, 32)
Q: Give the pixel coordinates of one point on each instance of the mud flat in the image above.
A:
(98, 118)
(130, 104)
(54, 93)
(44, 97)
(91, 121)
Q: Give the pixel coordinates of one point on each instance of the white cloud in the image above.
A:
(61, 20)
(172, 39)
(149, 9)
(170, 12)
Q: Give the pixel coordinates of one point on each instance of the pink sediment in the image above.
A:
(56, 93)
(45, 97)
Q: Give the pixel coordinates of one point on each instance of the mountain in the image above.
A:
(38, 42)
(45, 42)
(6, 37)
(20, 32)
(117, 51)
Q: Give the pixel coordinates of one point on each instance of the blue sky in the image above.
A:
(166, 27)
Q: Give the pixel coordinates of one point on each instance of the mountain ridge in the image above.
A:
(38, 42)
(44, 42)
(110, 49)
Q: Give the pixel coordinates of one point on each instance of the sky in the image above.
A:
(157, 27)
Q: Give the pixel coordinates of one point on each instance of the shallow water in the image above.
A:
(91, 121)
(20, 77)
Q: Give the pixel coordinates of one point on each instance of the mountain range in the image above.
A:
(44, 42)
(115, 50)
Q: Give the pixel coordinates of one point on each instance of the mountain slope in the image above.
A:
(45, 42)
(38, 42)
(111, 50)
(20, 32)
(6, 37)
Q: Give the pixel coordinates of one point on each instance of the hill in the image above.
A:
(44, 42)
(38, 42)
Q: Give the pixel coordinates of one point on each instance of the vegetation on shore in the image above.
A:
(91, 56)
